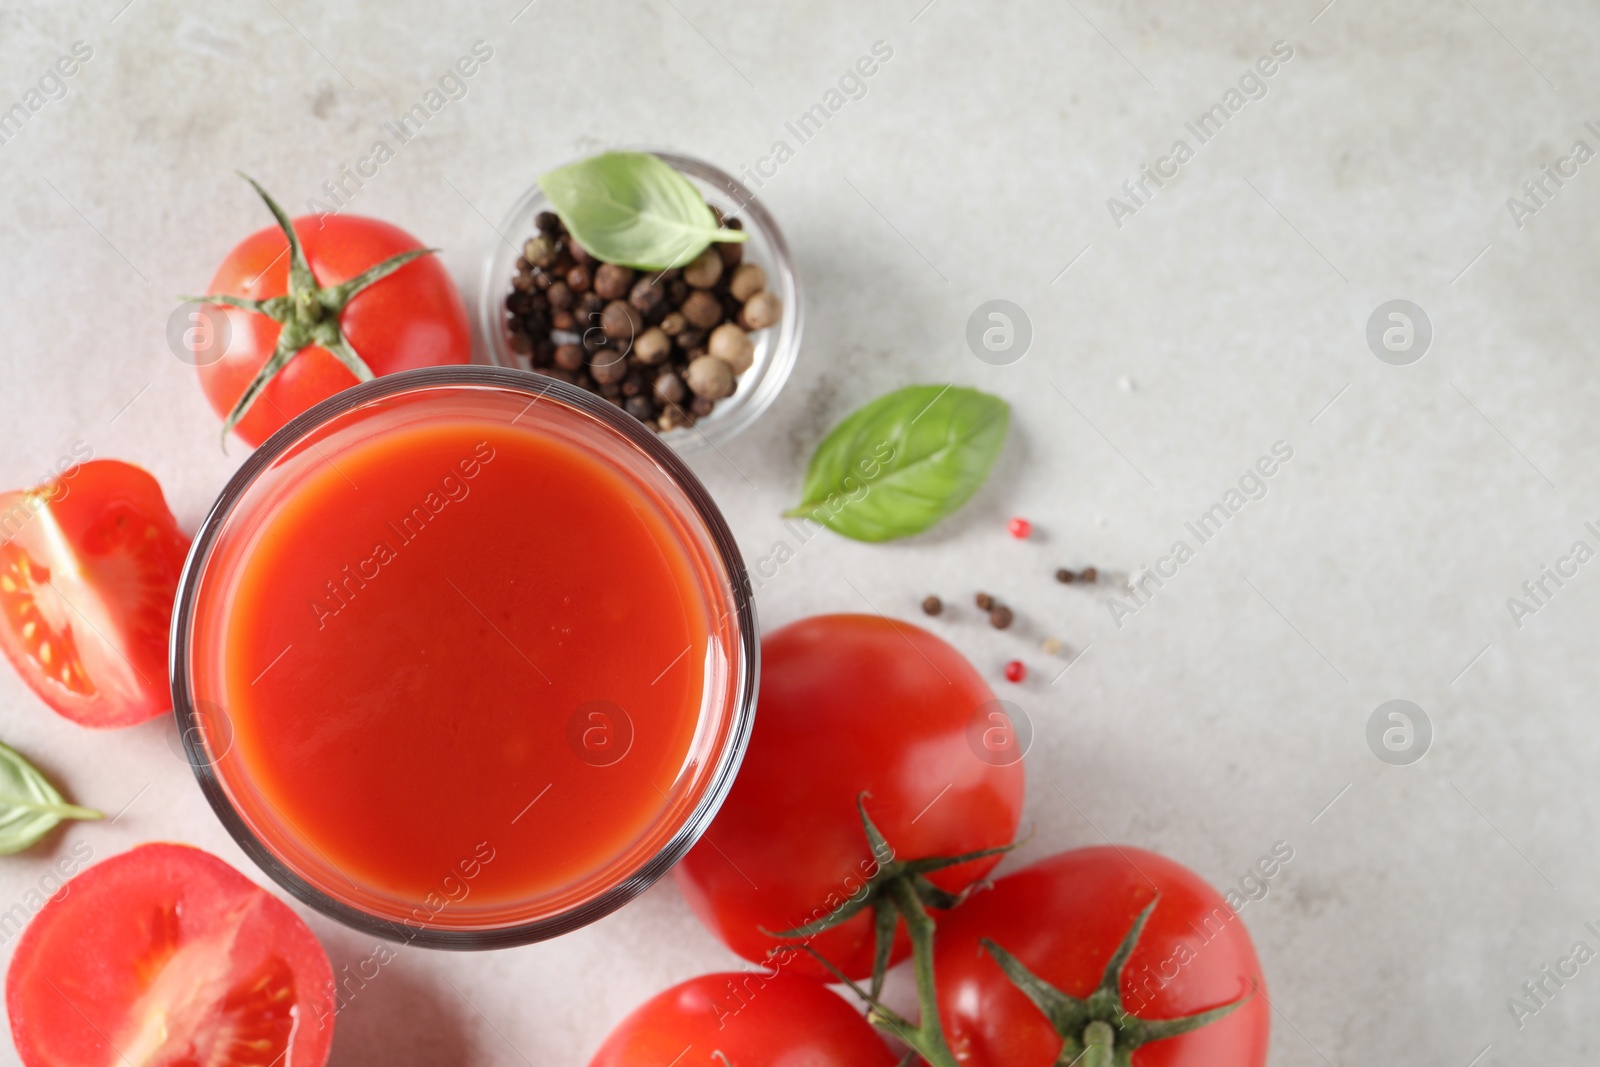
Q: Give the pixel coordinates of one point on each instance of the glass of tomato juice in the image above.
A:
(464, 657)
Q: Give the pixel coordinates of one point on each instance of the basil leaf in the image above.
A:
(902, 462)
(30, 806)
(633, 209)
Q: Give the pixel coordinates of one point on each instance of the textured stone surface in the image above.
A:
(1225, 314)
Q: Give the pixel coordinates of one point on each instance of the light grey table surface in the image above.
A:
(1173, 344)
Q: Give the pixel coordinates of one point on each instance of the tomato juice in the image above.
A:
(467, 657)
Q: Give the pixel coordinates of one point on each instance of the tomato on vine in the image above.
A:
(867, 726)
(318, 304)
(745, 1019)
(1104, 957)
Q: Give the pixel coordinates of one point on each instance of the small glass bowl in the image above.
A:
(231, 535)
(776, 346)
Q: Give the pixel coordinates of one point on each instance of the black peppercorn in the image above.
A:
(560, 296)
(608, 367)
(932, 605)
(620, 321)
(578, 279)
(984, 601)
(1088, 574)
(549, 224)
(669, 388)
(1066, 576)
(646, 296)
(612, 282)
(640, 407)
(1000, 617)
(702, 309)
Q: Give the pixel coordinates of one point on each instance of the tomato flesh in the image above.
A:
(752, 1019)
(88, 572)
(413, 318)
(164, 956)
(1063, 917)
(849, 704)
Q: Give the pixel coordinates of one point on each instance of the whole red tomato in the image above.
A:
(89, 566)
(747, 1019)
(850, 704)
(410, 318)
(1064, 918)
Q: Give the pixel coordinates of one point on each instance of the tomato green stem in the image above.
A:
(1099, 1045)
(1098, 1031)
(879, 895)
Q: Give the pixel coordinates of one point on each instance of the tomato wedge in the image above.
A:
(165, 956)
(89, 567)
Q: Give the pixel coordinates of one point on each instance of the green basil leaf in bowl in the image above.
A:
(632, 209)
(902, 462)
(30, 806)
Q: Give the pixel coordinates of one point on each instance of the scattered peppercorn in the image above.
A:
(633, 336)
(1020, 528)
(1000, 617)
(932, 605)
(1052, 646)
(1016, 671)
(984, 601)
(1088, 575)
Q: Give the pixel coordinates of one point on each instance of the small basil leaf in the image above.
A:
(633, 209)
(902, 462)
(30, 806)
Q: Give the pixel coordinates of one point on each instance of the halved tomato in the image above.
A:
(89, 567)
(165, 956)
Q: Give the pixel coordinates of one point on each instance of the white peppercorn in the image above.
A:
(761, 311)
(733, 346)
(710, 377)
(748, 280)
(652, 346)
(705, 270)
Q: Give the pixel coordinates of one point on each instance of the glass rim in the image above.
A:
(718, 782)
